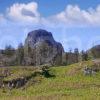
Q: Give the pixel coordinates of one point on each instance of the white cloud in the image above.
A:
(74, 16)
(24, 12)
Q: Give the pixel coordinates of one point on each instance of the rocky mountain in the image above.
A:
(42, 48)
(95, 51)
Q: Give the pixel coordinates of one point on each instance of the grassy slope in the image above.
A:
(69, 83)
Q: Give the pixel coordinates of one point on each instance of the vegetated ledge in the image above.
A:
(19, 77)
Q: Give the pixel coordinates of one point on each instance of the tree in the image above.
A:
(76, 52)
(84, 55)
(9, 51)
(29, 55)
(90, 55)
(20, 54)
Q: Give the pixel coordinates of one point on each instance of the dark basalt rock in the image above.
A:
(38, 36)
(45, 50)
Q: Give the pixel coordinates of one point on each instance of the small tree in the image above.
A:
(20, 54)
(76, 52)
(84, 56)
(9, 51)
(90, 55)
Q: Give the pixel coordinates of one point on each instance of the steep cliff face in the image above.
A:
(44, 49)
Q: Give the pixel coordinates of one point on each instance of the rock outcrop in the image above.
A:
(43, 49)
(95, 51)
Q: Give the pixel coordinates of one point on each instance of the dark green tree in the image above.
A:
(84, 55)
(9, 51)
(20, 54)
(76, 52)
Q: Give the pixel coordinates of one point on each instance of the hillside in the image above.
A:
(62, 83)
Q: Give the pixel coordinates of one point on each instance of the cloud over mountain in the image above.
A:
(75, 16)
(90, 16)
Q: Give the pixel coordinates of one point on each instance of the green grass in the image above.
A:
(69, 83)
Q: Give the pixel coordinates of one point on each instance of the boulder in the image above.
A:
(89, 71)
(43, 49)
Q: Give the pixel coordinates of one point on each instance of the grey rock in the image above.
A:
(45, 50)
(89, 71)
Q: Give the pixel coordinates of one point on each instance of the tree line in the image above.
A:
(24, 55)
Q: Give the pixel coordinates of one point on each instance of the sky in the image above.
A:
(74, 23)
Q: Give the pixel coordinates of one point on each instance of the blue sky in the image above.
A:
(48, 7)
(74, 23)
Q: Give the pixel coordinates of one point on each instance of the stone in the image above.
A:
(89, 71)
(45, 50)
